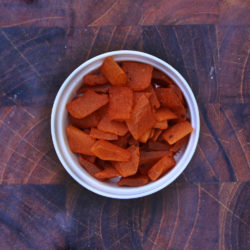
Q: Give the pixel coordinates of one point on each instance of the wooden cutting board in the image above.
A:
(41, 42)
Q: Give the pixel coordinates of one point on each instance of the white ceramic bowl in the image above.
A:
(59, 122)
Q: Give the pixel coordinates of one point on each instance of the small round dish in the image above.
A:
(59, 122)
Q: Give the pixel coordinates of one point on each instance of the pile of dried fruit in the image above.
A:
(127, 120)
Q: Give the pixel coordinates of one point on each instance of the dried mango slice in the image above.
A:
(90, 167)
(92, 80)
(143, 169)
(79, 141)
(160, 78)
(152, 156)
(106, 125)
(89, 158)
(177, 132)
(107, 173)
(161, 125)
(179, 144)
(84, 105)
(153, 99)
(157, 134)
(103, 89)
(110, 152)
(113, 72)
(142, 118)
(139, 75)
(163, 114)
(120, 103)
(158, 146)
(129, 168)
(137, 95)
(122, 141)
(168, 98)
(178, 92)
(163, 165)
(89, 121)
(144, 138)
(134, 181)
(98, 134)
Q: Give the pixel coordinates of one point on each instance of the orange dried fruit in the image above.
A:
(134, 181)
(84, 105)
(137, 95)
(142, 118)
(89, 121)
(113, 72)
(144, 138)
(110, 152)
(179, 144)
(107, 173)
(79, 141)
(129, 168)
(160, 168)
(163, 114)
(103, 89)
(90, 167)
(115, 127)
(150, 157)
(139, 75)
(160, 78)
(177, 132)
(153, 99)
(91, 80)
(98, 134)
(120, 103)
(161, 125)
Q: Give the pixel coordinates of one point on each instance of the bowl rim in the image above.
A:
(162, 182)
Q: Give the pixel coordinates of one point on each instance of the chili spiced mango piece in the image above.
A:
(161, 125)
(107, 173)
(153, 98)
(138, 94)
(139, 75)
(98, 134)
(120, 103)
(79, 141)
(129, 168)
(160, 78)
(110, 152)
(150, 157)
(92, 80)
(101, 89)
(142, 118)
(163, 114)
(89, 121)
(144, 138)
(134, 181)
(90, 167)
(168, 98)
(161, 167)
(115, 127)
(84, 105)
(113, 72)
(177, 132)
(179, 144)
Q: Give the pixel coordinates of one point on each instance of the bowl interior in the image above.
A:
(59, 122)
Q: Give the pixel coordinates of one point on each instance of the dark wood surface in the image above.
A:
(41, 42)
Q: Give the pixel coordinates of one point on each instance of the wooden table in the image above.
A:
(41, 42)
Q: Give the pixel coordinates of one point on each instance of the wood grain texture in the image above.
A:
(175, 218)
(42, 42)
(75, 13)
